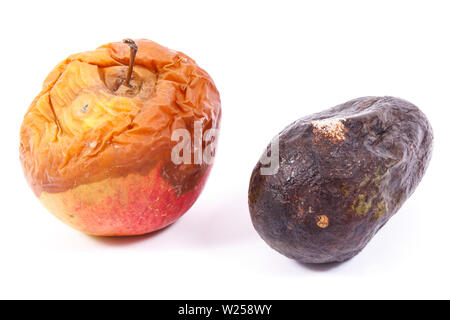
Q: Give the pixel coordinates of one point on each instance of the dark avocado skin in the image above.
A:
(337, 185)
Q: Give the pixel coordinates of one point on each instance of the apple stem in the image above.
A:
(133, 50)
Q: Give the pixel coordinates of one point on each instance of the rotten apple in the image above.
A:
(97, 143)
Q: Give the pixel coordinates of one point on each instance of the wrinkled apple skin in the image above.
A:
(124, 206)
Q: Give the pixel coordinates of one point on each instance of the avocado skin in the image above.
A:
(338, 185)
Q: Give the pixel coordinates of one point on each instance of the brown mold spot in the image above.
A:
(332, 130)
(322, 221)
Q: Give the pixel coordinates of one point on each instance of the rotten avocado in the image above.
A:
(343, 173)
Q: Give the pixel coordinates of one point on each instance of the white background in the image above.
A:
(273, 62)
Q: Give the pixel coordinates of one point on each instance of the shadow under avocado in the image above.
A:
(321, 267)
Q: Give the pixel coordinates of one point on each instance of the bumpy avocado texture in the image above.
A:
(343, 173)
